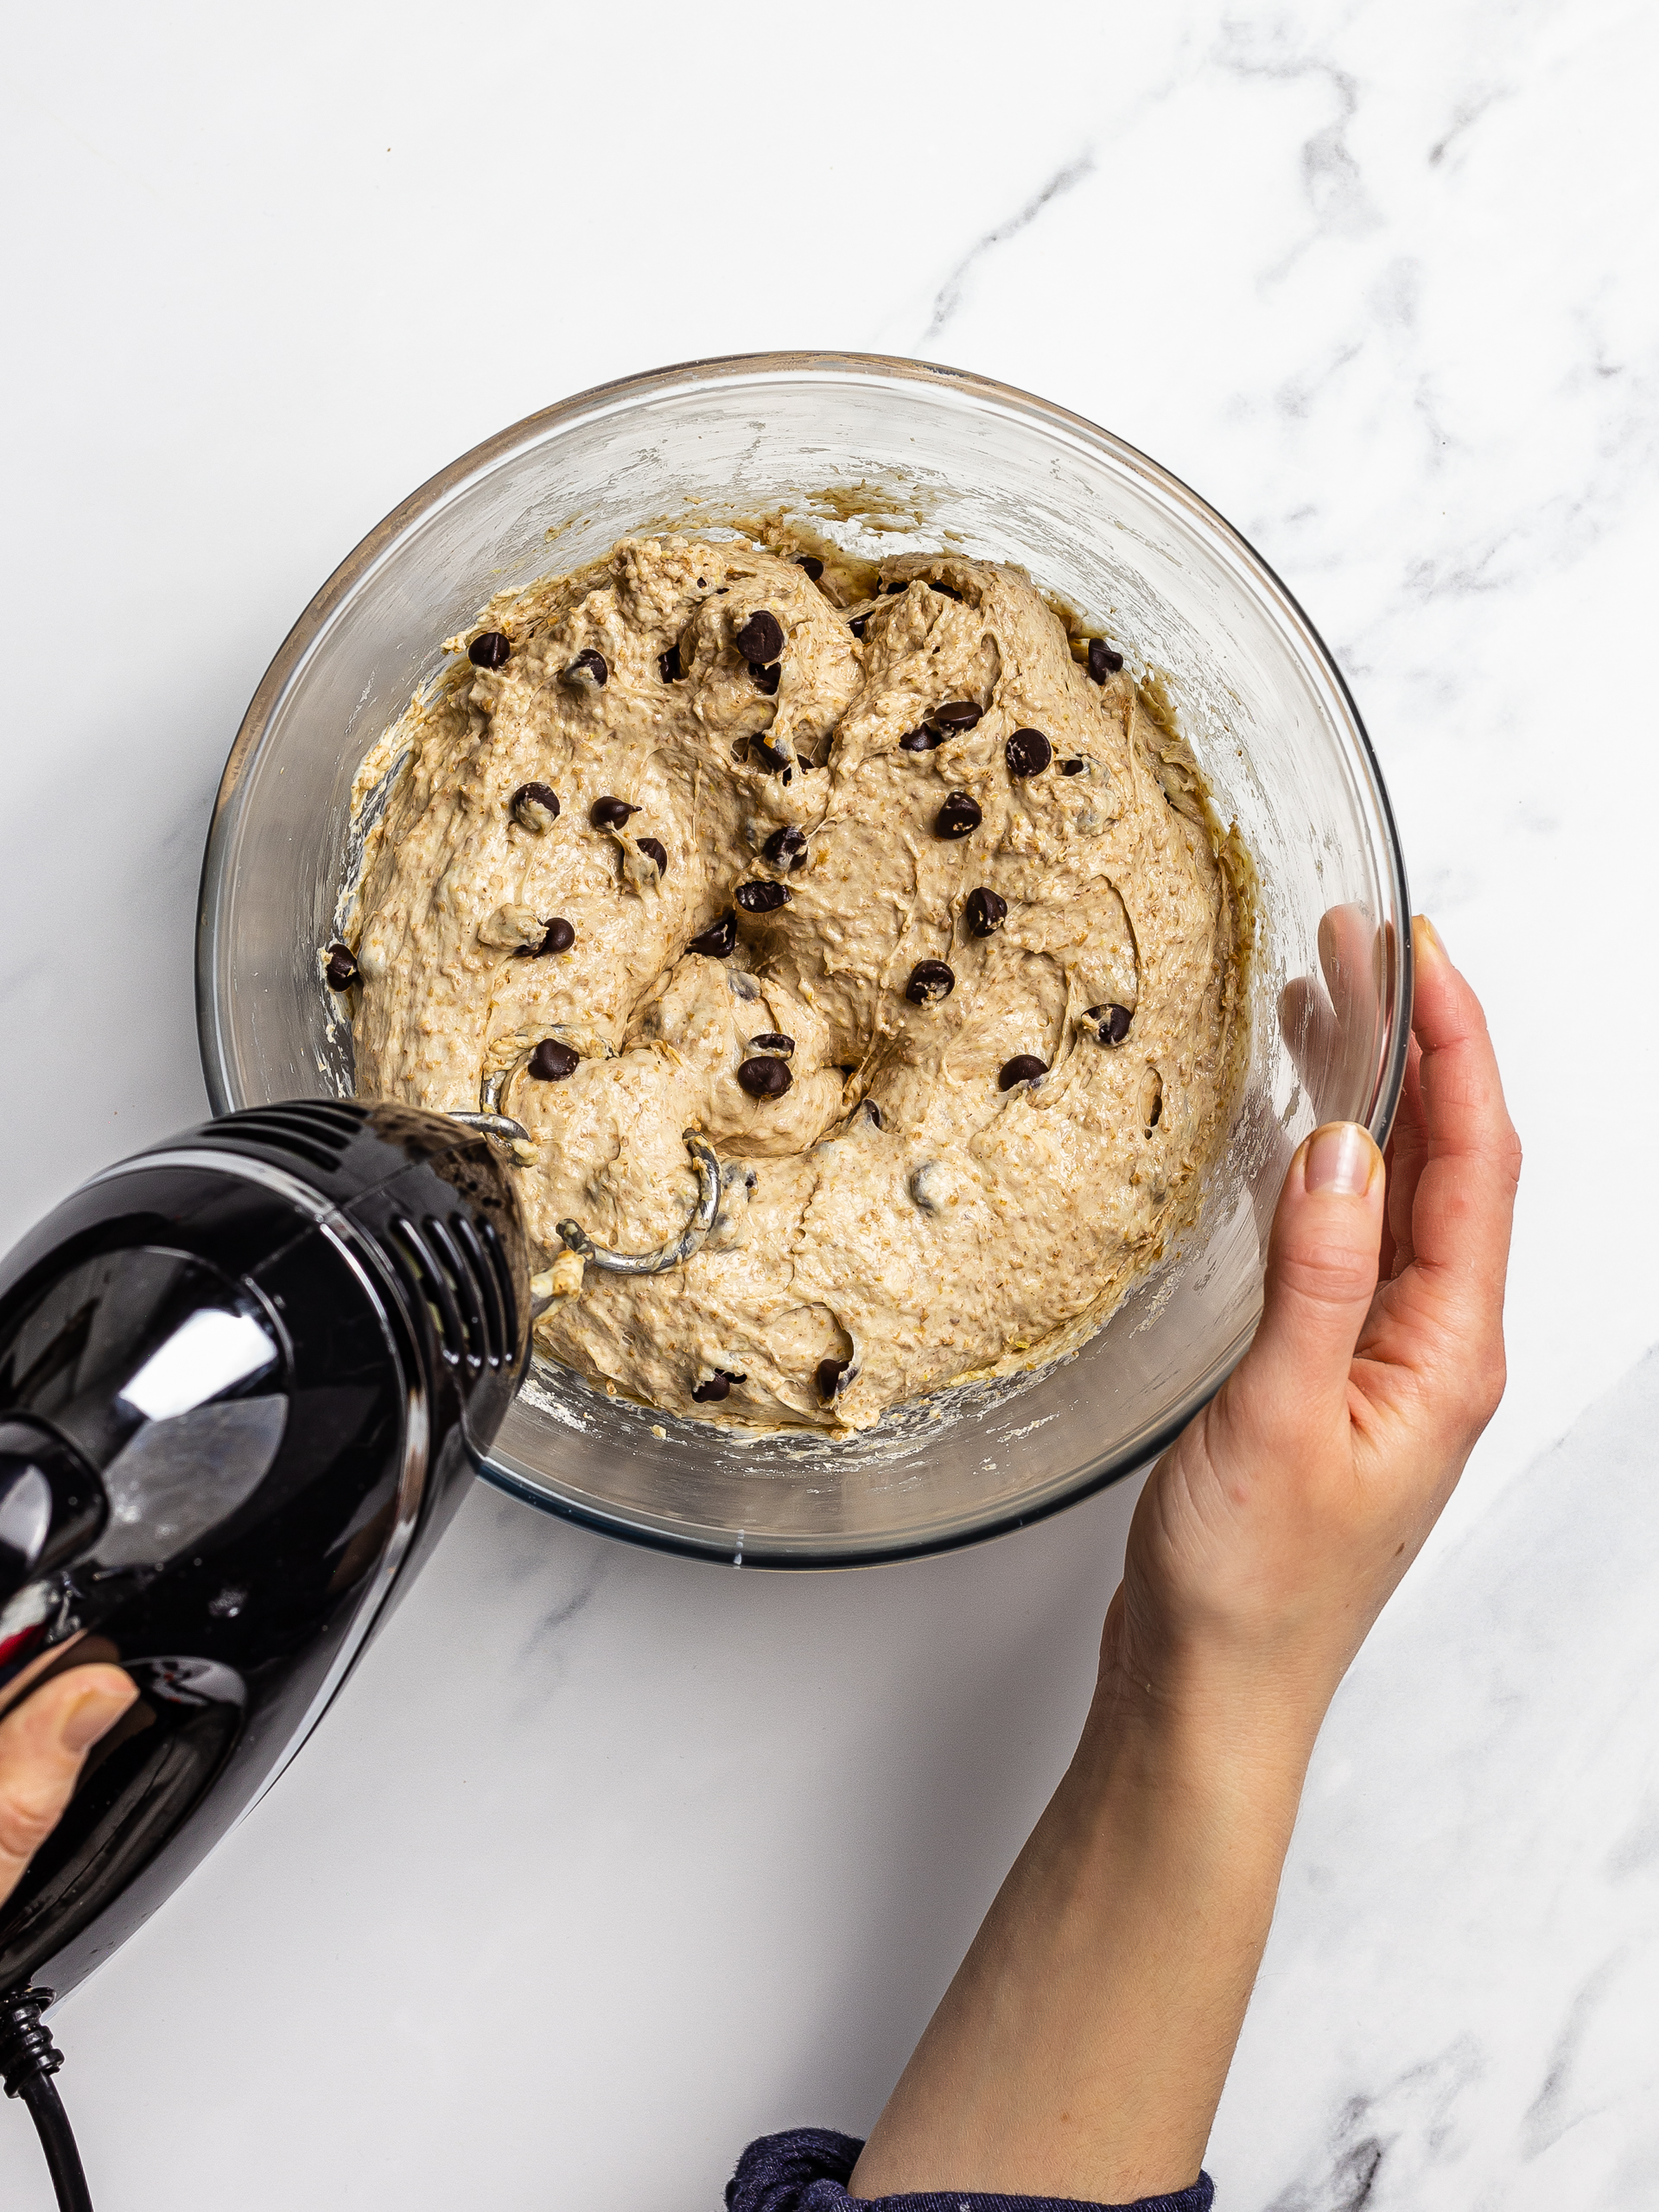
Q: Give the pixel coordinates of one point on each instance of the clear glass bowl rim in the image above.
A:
(733, 368)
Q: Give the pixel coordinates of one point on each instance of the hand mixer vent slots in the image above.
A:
(316, 1132)
(468, 1293)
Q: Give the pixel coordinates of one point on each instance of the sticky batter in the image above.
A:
(908, 902)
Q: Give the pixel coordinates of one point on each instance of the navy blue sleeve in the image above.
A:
(807, 2171)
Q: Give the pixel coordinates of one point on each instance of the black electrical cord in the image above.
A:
(28, 2059)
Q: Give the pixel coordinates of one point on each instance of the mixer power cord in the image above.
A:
(28, 2059)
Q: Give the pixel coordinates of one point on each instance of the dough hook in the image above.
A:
(494, 1125)
(672, 1254)
(492, 1121)
(677, 1248)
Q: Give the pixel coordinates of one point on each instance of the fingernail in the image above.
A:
(92, 1716)
(1429, 939)
(1340, 1159)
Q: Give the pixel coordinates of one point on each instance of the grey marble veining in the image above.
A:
(606, 1862)
(949, 298)
(1464, 1976)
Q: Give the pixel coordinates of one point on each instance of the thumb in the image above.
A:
(1321, 1278)
(43, 1743)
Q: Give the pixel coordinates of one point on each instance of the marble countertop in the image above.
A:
(607, 1862)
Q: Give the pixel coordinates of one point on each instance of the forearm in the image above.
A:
(1081, 2050)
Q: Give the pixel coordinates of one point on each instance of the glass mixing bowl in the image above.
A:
(913, 457)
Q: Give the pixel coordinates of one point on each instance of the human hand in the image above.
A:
(1081, 2050)
(1272, 1534)
(44, 1746)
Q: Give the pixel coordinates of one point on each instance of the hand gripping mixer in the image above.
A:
(245, 1379)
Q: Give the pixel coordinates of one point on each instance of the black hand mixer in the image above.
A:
(244, 1377)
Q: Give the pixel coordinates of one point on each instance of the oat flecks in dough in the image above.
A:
(960, 1227)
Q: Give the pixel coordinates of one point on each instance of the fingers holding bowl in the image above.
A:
(1407, 1148)
(1321, 1277)
(1356, 957)
(1452, 1212)
(1329, 1022)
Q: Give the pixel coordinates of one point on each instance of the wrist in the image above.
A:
(1202, 1732)
(1260, 1685)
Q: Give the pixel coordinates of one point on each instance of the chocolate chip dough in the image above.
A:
(906, 903)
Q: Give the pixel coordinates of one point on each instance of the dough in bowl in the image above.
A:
(904, 902)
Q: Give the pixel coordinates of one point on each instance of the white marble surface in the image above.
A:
(607, 1862)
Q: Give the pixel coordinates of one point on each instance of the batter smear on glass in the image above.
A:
(904, 902)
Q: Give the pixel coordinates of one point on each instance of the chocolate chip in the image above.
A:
(1025, 1067)
(772, 1040)
(764, 1076)
(923, 740)
(958, 818)
(768, 755)
(930, 982)
(610, 813)
(668, 665)
(874, 1111)
(761, 637)
(1102, 661)
(829, 1374)
(758, 898)
(561, 936)
(986, 913)
(534, 807)
(1029, 753)
(1111, 1022)
(718, 941)
(551, 1061)
(654, 848)
(718, 1386)
(811, 563)
(489, 650)
(342, 970)
(957, 715)
(589, 664)
(928, 1187)
(903, 584)
(766, 679)
(856, 625)
(1072, 768)
(784, 844)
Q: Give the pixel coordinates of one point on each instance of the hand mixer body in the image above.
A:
(244, 1378)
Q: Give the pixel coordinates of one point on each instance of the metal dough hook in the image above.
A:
(677, 1248)
(492, 1121)
(710, 1182)
(493, 1125)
